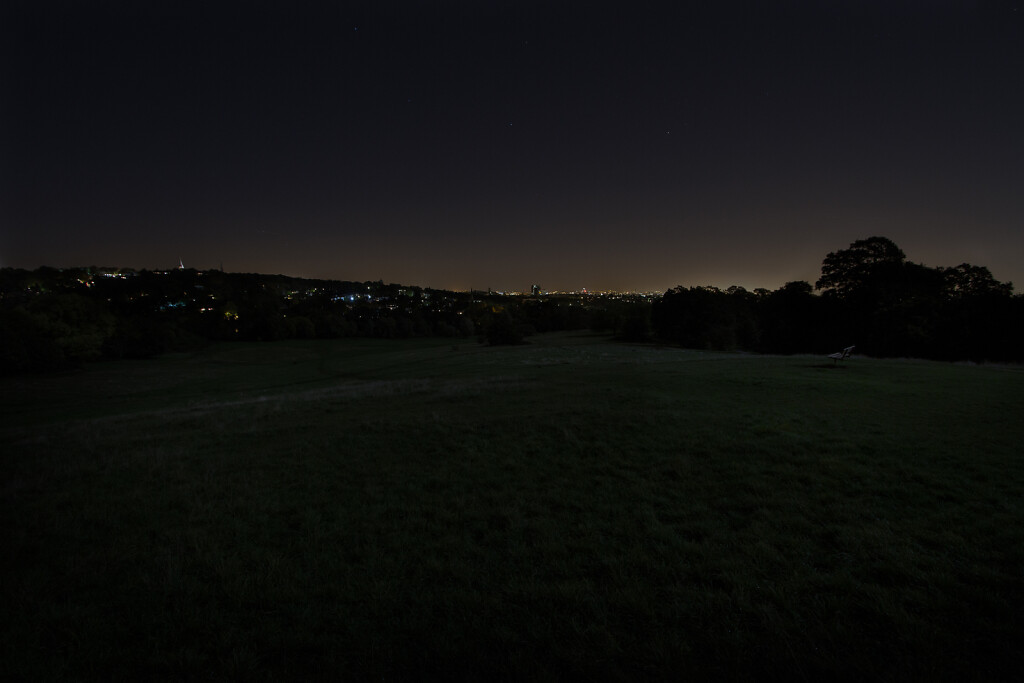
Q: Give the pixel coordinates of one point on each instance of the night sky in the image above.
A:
(629, 146)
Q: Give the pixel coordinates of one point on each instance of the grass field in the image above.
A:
(567, 509)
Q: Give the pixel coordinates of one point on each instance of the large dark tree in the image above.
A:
(882, 303)
(980, 318)
(966, 280)
(889, 306)
(863, 264)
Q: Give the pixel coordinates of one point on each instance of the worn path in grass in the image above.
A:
(563, 509)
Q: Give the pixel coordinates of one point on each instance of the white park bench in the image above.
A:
(841, 355)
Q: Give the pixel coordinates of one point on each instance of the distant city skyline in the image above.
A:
(476, 145)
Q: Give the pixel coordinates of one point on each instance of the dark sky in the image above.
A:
(632, 146)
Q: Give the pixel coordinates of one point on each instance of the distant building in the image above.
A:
(535, 290)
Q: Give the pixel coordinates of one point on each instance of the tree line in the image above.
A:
(55, 319)
(869, 295)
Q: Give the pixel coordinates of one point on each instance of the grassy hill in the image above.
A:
(570, 508)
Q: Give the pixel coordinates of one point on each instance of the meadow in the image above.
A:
(571, 508)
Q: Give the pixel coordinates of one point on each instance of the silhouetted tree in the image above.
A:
(979, 319)
(793, 320)
(884, 304)
(864, 264)
(966, 280)
(698, 317)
